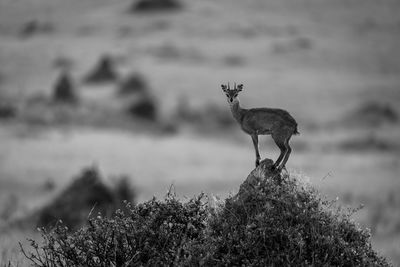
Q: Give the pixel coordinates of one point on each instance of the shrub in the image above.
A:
(64, 90)
(123, 190)
(104, 71)
(144, 108)
(154, 233)
(33, 27)
(133, 83)
(272, 221)
(7, 110)
(155, 5)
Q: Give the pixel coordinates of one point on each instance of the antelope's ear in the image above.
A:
(240, 87)
(223, 86)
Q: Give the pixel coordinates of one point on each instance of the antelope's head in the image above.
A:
(232, 94)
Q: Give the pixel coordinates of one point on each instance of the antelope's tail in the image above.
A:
(296, 132)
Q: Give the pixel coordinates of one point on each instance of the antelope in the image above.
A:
(263, 121)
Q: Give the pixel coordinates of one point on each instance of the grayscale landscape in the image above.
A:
(156, 114)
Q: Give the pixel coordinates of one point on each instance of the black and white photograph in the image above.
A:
(199, 133)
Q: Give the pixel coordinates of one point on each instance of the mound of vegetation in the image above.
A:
(84, 198)
(144, 108)
(272, 221)
(32, 27)
(104, 71)
(133, 83)
(155, 5)
(7, 110)
(276, 221)
(64, 90)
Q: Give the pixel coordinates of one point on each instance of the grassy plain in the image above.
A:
(320, 60)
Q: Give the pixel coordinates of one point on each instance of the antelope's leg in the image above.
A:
(288, 151)
(283, 150)
(254, 137)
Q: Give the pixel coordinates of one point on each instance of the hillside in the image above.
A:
(274, 220)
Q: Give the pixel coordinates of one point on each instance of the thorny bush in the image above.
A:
(272, 222)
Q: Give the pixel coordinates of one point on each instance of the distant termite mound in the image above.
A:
(85, 197)
(64, 89)
(155, 6)
(133, 83)
(144, 108)
(104, 71)
(33, 27)
(7, 110)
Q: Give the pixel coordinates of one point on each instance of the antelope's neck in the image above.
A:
(236, 110)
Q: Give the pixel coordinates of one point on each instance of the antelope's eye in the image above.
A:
(235, 95)
(227, 95)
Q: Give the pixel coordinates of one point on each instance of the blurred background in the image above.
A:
(121, 99)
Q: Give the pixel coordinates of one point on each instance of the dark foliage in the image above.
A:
(133, 83)
(155, 5)
(33, 27)
(104, 71)
(7, 110)
(144, 108)
(273, 221)
(123, 191)
(85, 197)
(64, 91)
(156, 233)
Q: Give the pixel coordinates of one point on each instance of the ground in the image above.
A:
(320, 60)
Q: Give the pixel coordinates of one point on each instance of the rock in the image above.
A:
(257, 177)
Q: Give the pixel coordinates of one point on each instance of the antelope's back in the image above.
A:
(264, 120)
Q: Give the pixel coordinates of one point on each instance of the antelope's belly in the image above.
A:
(252, 125)
(252, 130)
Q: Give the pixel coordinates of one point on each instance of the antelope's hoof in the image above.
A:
(281, 168)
